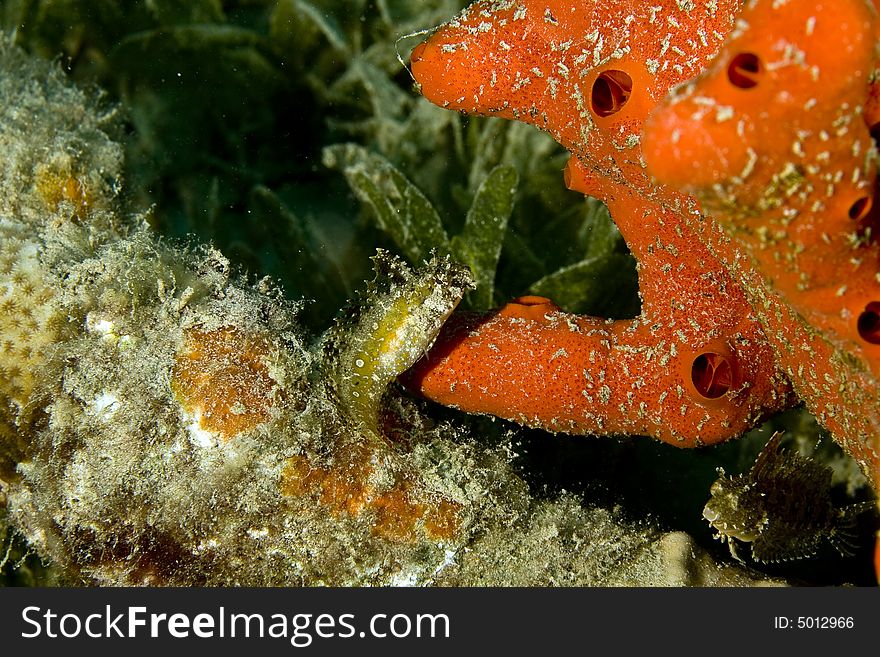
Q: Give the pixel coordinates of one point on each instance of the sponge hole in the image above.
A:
(859, 209)
(611, 91)
(869, 323)
(745, 70)
(712, 375)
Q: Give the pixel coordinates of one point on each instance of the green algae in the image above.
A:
(408, 217)
(399, 207)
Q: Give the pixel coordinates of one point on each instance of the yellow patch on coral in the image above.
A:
(223, 378)
(58, 187)
(397, 513)
(29, 323)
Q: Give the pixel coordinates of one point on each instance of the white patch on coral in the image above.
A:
(201, 437)
(105, 405)
(101, 327)
(208, 545)
(448, 560)
(414, 578)
(404, 579)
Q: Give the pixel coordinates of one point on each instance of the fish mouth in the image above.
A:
(710, 514)
(724, 529)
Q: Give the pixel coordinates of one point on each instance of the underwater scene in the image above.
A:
(439, 293)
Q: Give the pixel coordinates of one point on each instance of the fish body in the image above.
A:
(782, 508)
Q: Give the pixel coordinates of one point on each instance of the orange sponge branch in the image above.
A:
(694, 368)
(531, 363)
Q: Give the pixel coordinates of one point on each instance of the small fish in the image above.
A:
(782, 508)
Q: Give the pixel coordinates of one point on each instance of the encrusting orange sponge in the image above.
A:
(223, 378)
(399, 511)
